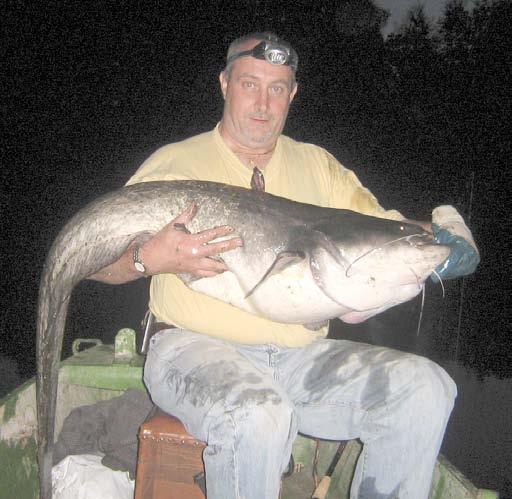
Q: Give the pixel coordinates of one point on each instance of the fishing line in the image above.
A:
(463, 283)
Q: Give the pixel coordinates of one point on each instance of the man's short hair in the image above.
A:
(258, 36)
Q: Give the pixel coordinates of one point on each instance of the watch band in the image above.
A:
(137, 262)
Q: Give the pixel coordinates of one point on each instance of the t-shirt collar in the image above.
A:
(269, 169)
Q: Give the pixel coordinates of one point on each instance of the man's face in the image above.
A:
(257, 96)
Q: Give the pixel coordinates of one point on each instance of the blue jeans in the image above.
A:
(249, 401)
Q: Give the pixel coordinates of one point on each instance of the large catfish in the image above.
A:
(299, 264)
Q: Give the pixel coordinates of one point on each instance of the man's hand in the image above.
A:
(449, 228)
(175, 250)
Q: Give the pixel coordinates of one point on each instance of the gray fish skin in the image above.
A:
(299, 264)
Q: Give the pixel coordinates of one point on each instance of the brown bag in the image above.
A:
(170, 463)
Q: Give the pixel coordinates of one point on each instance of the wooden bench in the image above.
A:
(170, 463)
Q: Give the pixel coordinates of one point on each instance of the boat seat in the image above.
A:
(170, 463)
(170, 460)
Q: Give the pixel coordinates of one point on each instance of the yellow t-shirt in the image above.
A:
(299, 171)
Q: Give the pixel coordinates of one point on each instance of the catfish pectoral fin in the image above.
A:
(283, 260)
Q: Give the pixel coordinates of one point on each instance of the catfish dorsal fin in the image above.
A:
(283, 260)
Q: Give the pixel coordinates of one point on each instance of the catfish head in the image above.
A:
(368, 264)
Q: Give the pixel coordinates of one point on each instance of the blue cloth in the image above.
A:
(462, 260)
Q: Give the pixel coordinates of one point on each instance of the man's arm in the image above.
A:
(447, 224)
(449, 228)
(421, 223)
(174, 250)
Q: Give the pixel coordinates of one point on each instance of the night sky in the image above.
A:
(90, 89)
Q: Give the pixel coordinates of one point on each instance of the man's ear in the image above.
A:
(293, 92)
(223, 83)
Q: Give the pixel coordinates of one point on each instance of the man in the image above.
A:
(244, 384)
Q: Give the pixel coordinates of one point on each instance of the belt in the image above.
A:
(150, 326)
(159, 326)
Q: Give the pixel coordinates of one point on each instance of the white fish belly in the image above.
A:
(291, 296)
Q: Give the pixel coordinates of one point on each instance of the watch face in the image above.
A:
(140, 267)
(136, 260)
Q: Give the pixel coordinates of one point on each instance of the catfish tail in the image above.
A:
(52, 312)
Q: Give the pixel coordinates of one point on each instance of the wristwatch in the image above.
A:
(137, 262)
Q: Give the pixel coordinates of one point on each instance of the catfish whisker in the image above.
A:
(416, 276)
(371, 250)
(423, 300)
(421, 311)
(440, 281)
